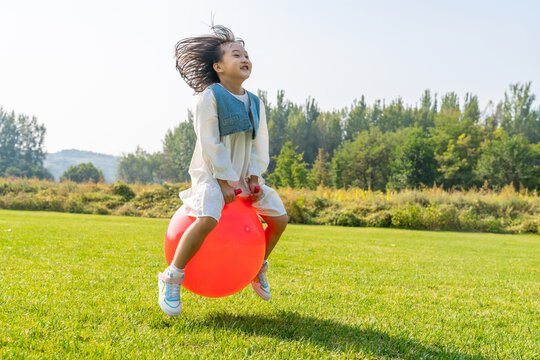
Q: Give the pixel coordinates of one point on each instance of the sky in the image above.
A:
(100, 75)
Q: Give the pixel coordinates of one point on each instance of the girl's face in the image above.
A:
(235, 63)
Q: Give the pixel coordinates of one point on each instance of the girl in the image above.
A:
(231, 153)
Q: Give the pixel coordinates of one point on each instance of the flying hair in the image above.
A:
(195, 56)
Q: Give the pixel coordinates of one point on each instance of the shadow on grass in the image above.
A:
(335, 337)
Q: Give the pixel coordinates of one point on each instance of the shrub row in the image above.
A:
(89, 198)
(508, 210)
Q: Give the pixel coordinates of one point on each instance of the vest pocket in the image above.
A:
(233, 124)
(231, 120)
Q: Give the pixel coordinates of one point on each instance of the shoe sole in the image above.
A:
(262, 294)
(166, 310)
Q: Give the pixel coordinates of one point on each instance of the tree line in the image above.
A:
(379, 146)
(21, 146)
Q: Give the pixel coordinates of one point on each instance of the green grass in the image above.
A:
(85, 286)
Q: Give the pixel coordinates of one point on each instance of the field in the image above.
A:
(85, 286)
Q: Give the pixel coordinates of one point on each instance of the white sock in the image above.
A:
(176, 272)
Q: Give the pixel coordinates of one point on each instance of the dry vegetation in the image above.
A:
(508, 210)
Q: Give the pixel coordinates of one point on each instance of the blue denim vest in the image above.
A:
(232, 114)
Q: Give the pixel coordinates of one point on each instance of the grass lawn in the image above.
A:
(85, 286)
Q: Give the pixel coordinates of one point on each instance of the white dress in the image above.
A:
(232, 157)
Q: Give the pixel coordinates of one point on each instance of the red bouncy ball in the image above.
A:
(230, 256)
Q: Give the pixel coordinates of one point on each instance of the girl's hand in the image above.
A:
(254, 183)
(227, 191)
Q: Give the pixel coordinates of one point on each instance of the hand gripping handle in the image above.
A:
(238, 191)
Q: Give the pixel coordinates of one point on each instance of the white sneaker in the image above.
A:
(260, 284)
(169, 291)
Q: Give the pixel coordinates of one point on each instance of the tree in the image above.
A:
(415, 161)
(492, 120)
(518, 115)
(178, 147)
(448, 123)
(84, 172)
(471, 111)
(509, 159)
(394, 117)
(277, 120)
(364, 162)
(457, 162)
(140, 167)
(375, 113)
(290, 168)
(21, 146)
(457, 137)
(309, 144)
(302, 130)
(356, 120)
(328, 131)
(425, 115)
(319, 173)
(9, 140)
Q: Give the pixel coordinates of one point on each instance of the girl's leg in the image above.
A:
(192, 240)
(170, 280)
(276, 226)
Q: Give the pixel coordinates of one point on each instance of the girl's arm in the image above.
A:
(260, 156)
(215, 154)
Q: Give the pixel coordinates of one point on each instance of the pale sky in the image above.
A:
(100, 74)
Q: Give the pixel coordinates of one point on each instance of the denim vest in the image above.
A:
(232, 114)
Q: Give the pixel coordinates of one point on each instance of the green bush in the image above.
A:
(295, 211)
(122, 189)
(529, 225)
(449, 216)
(408, 216)
(347, 217)
(127, 209)
(382, 218)
(83, 172)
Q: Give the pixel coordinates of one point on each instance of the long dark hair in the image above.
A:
(195, 56)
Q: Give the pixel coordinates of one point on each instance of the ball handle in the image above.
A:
(239, 191)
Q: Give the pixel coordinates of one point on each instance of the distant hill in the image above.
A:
(60, 161)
